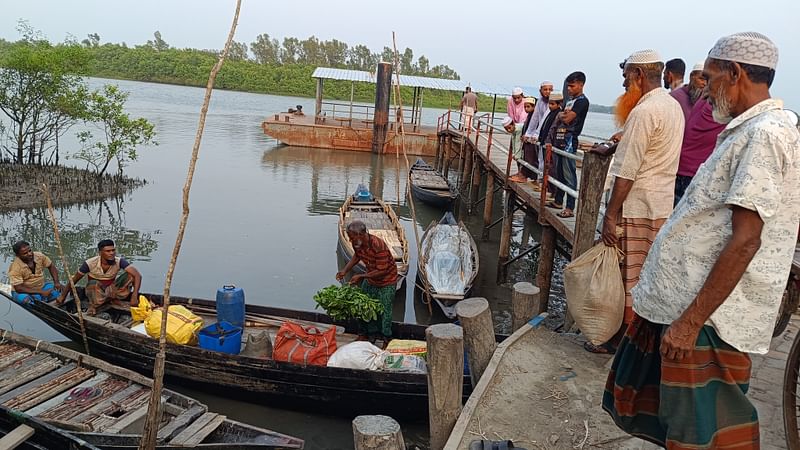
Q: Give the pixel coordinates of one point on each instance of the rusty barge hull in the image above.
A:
(304, 131)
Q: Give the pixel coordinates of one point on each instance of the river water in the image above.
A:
(263, 217)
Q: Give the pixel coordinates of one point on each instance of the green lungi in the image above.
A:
(120, 289)
(383, 325)
(697, 403)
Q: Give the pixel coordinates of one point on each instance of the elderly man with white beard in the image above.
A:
(644, 169)
(711, 287)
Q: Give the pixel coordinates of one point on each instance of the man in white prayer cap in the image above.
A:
(530, 135)
(688, 94)
(644, 168)
(711, 288)
(516, 108)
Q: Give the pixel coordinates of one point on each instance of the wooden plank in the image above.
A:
(34, 384)
(54, 387)
(36, 410)
(95, 410)
(180, 422)
(131, 418)
(28, 373)
(16, 437)
(198, 430)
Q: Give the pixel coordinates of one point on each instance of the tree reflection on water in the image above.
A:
(103, 219)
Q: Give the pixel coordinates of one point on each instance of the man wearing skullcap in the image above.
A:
(644, 169)
(530, 135)
(711, 287)
(515, 107)
(528, 149)
(515, 146)
(688, 94)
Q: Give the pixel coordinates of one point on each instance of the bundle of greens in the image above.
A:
(348, 302)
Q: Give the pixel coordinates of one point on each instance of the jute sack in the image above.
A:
(595, 293)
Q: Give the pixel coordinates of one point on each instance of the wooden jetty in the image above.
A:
(480, 154)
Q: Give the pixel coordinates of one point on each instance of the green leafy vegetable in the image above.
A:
(348, 302)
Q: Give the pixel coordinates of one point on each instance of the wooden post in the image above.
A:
(544, 274)
(488, 204)
(438, 160)
(505, 237)
(377, 433)
(476, 319)
(590, 193)
(466, 176)
(445, 380)
(448, 149)
(524, 304)
(318, 102)
(476, 181)
(383, 93)
(460, 163)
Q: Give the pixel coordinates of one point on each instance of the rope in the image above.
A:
(51, 212)
(402, 129)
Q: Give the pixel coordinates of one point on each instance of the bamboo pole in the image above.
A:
(151, 424)
(77, 298)
(402, 131)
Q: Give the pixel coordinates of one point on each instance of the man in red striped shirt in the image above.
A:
(379, 280)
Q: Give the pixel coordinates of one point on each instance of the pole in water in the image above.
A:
(383, 91)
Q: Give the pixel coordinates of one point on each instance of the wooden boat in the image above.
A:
(329, 390)
(429, 186)
(448, 262)
(17, 427)
(105, 405)
(381, 221)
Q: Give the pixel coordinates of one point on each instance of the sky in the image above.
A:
(510, 42)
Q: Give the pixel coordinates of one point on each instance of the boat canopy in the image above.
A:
(444, 84)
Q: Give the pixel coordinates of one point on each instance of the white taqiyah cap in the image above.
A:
(517, 91)
(644, 57)
(698, 66)
(556, 95)
(507, 121)
(748, 47)
(546, 83)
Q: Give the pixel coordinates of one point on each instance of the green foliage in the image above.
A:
(40, 94)
(348, 302)
(121, 134)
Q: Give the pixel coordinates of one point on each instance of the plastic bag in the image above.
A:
(182, 325)
(140, 312)
(304, 345)
(408, 347)
(595, 293)
(405, 363)
(358, 355)
(449, 266)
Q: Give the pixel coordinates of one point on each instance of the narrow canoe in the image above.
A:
(448, 262)
(429, 186)
(105, 406)
(381, 221)
(329, 390)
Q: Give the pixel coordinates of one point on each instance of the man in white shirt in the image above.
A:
(711, 287)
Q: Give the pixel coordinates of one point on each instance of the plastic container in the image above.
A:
(221, 337)
(230, 305)
(362, 194)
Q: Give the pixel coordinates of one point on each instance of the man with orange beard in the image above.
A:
(644, 169)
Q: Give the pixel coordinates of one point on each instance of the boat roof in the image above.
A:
(444, 84)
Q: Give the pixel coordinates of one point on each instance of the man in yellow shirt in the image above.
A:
(26, 275)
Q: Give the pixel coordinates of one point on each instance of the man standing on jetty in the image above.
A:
(26, 275)
(530, 136)
(111, 278)
(469, 107)
(644, 169)
(712, 284)
(516, 107)
(379, 281)
(674, 71)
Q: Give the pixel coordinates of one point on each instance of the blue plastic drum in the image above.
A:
(230, 305)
